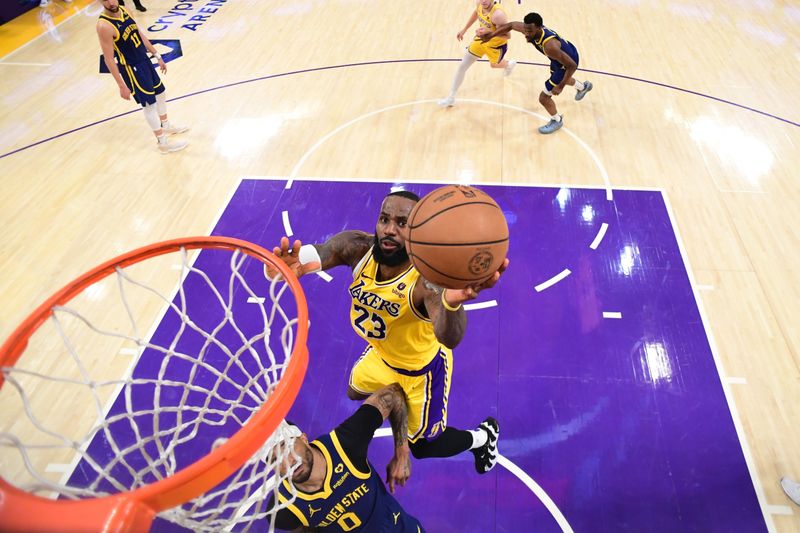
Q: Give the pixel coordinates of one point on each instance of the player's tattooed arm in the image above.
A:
(345, 248)
(448, 325)
(391, 402)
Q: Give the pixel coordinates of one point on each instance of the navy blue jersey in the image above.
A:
(353, 496)
(548, 34)
(128, 46)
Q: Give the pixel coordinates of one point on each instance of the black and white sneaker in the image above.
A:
(486, 455)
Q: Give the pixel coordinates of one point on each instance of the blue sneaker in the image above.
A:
(552, 126)
(587, 86)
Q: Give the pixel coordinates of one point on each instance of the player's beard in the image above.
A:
(396, 258)
(307, 460)
(113, 9)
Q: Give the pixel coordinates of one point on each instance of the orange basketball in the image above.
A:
(457, 236)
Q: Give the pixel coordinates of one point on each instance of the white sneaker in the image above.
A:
(44, 3)
(509, 68)
(172, 146)
(450, 101)
(792, 489)
(174, 129)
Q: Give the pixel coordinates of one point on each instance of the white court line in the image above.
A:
(537, 490)
(128, 351)
(316, 145)
(256, 300)
(552, 281)
(324, 275)
(428, 181)
(480, 305)
(522, 476)
(58, 467)
(612, 314)
(599, 237)
(737, 421)
(13, 64)
(784, 510)
(287, 227)
(736, 380)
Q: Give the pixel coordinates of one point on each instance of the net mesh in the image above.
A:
(147, 371)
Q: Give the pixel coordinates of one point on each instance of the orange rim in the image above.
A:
(135, 510)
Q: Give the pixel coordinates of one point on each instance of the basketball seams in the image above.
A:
(482, 243)
(415, 226)
(441, 252)
(470, 280)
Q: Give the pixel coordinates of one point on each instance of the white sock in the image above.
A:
(161, 103)
(556, 117)
(151, 115)
(479, 438)
(578, 85)
(467, 61)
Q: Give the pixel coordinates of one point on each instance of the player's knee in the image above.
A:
(543, 97)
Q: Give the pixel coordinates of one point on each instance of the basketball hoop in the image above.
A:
(183, 429)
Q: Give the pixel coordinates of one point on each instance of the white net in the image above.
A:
(125, 385)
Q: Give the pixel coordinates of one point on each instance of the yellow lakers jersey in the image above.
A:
(485, 20)
(383, 315)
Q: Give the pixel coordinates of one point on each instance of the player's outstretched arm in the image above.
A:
(391, 402)
(444, 306)
(449, 322)
(503, 29)
(345, 248)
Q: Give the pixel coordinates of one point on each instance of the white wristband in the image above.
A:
(309, 254)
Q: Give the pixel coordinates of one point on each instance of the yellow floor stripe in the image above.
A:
(30, 25)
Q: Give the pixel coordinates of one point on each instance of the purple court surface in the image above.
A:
(591, 353)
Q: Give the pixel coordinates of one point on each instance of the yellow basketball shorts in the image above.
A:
(494, 49)
(427, 389)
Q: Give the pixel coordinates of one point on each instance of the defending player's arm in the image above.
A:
(345, 248)
(105, 32)
(552, 49)
(504, 29)
(391, 402)
(499, 18)
(445, 306)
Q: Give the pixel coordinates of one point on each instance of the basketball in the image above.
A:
(457, 236)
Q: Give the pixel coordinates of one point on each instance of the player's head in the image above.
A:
(111, 5)
(300, 455)
(389, 246)
(486, 4)
(534, 18)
